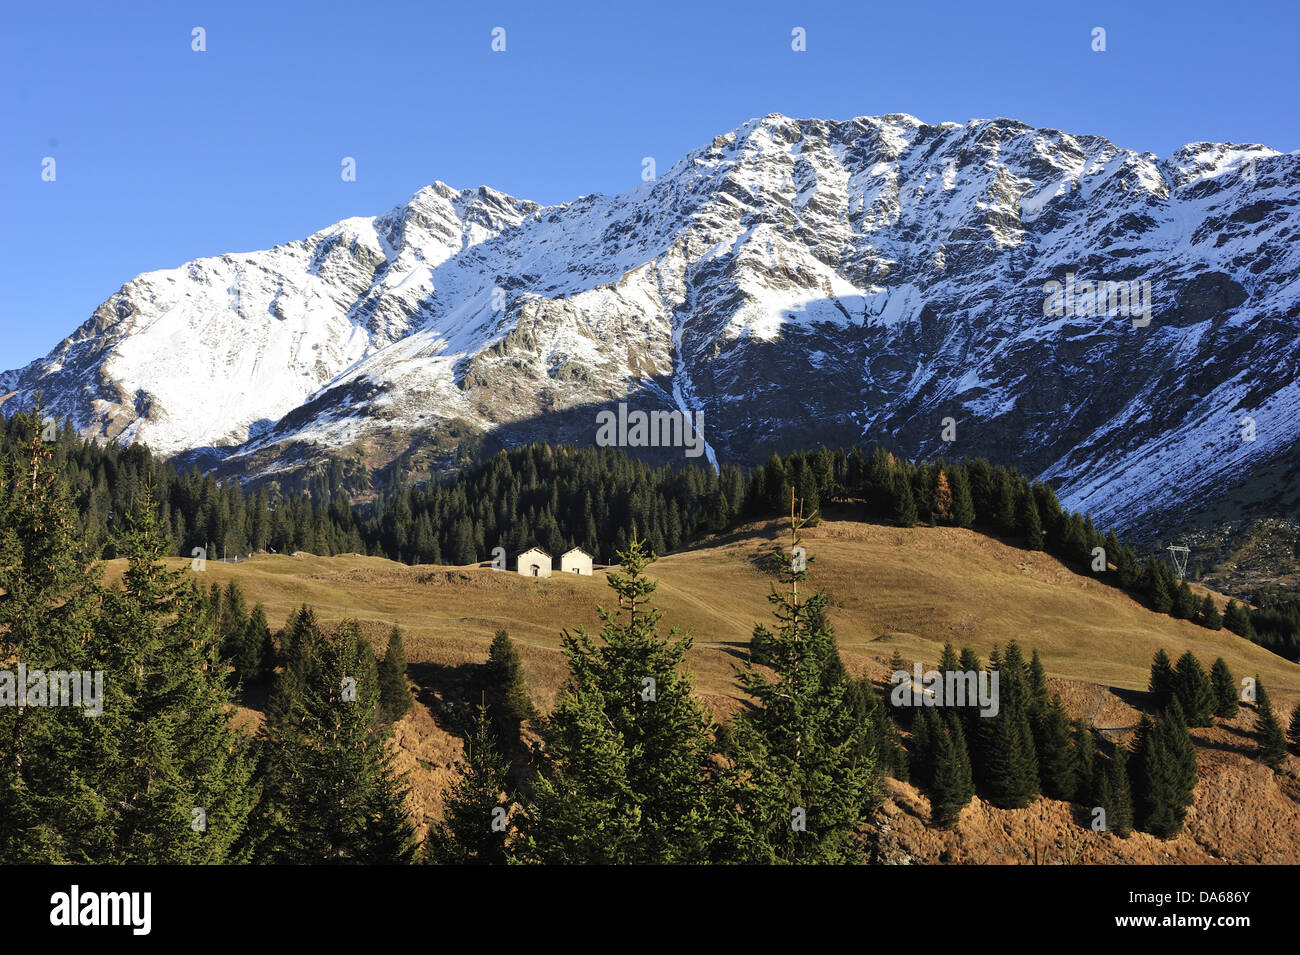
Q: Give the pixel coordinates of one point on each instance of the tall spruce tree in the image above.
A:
(1119, 797)
(1224, 686)
(1161, 684)
(1057, 760)
(1208, 615)
(1237, 619)
(332, 793)
(506, 690)
(1268, 734)
(394, 694)
(1193, 691)
(628, 775)
(1162, 772)
(51, 810)
(475, 824)
(178, 772)
(800, 784)
(1007, 756)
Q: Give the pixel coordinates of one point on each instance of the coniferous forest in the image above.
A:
(596, 498)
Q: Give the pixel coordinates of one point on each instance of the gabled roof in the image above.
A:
(531, 550)
(576, 550)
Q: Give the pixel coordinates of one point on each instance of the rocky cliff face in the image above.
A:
(797, 280)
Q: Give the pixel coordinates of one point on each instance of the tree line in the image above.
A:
(597, 498)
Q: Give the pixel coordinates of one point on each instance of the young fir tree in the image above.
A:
(234, 620)
(1030, 523)
(332, 793)
(1118, 798)
(1208, 615)
(1087, 764)
(627, 776)
(1162, 772)
(1161, 683)
(251, 659)
(1057, 760)
(299, 642)
(948, 776)
(1193, 691)
(904, 500)
(475, 822)
(800, 785)
(1272, 743)
(1293, 731)
(963, 508)
(1224, 686)
(178, 773)
(506, 690)
(1155, 587)
(1237, 620)
(394, 694)
(51, 810)
(1185, 603)
(1007, 764)
(883, 744)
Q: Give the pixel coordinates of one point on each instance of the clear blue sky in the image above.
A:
(164, 154)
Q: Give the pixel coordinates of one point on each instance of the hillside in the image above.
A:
(905, 589)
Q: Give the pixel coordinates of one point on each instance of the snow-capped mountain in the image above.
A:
(800, 281)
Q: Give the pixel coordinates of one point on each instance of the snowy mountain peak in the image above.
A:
(800, 280)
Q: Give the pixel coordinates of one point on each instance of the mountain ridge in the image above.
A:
(853, 281)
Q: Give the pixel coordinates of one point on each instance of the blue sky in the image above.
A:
(164, 154)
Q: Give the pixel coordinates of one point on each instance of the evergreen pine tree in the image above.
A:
(394, 694)
(1293, 731)
(1119, 809)
(50, 808)
(1161, 684)
(1007, 765)
(332, 793)
(1162, 772)
(506, 690)
(1237, 620)
(1157, 591)
(1208, 615)
(628, 774)
(801, 793)
(904, 500)
(1272, 743)
(1193, 691)
(251, 661)
(1224, 686)
(963, 508)
(1057, 760)
(1030, 524)
(1086, 761)
(474, 827)
(1185, 604)
(176, 773)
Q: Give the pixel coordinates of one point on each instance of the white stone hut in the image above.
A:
(575, 561)
(534, 562)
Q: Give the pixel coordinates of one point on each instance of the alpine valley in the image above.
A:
(796, 281)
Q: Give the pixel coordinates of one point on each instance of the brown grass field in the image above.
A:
(890, 588)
